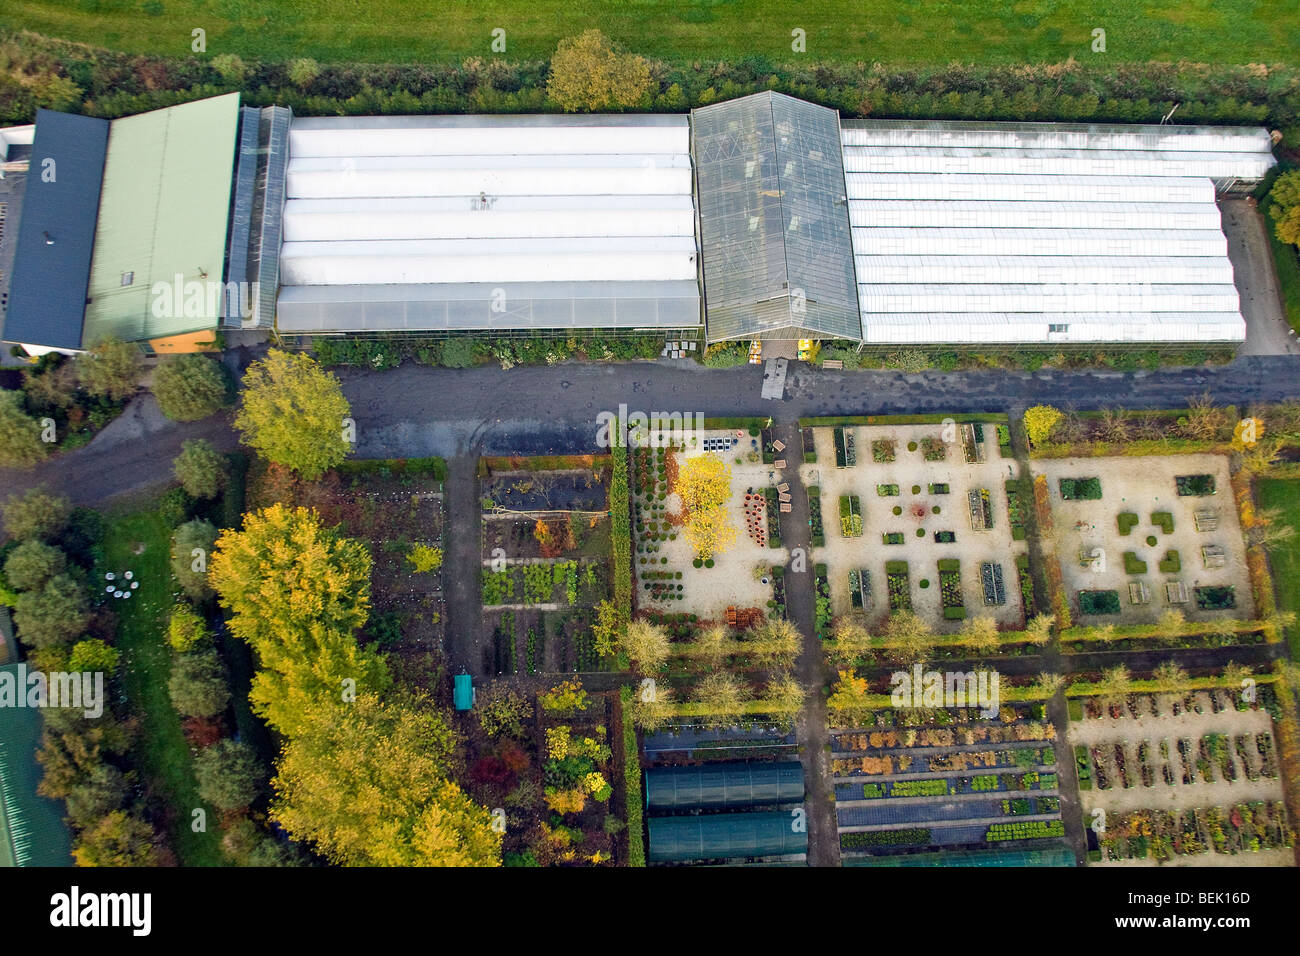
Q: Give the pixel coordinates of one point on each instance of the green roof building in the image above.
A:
(32, 831)
(163, 213)
(723, 785)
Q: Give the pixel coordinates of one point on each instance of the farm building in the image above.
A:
(111, 213)
(488, 223)
(720, 785)
(763, 217)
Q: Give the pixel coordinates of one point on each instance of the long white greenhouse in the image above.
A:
(967, 233)
(489, 223)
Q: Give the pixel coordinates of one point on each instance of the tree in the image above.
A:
(368, 784)
(186, 628)
(714, 644)
(293, 413)
(607, 628)
(111, 369)
(53, 387)
(32, 563)
(647, 645)
(1204, 420)
(93, 656)
(1284, 206)
(200, 468)
(189, 387)
(20, 434)
(710, 533)
(1039, 422)
(850, 643)
(303, 72)
(192, 548)
(910, 638)
(231, 67)
(721, 698)
(503, 711)
(849, 694)
(1049, 683)
(36, 514)
(228, 774)
(704, 485)
(197, 684)
(982, 633)
(53, 615)
(119, 839)
(1170, 672)
(1039, 628)
(1115, 682)
(297, 593)
(784, 694)
(776, 639)
(100, 791)
(652, 707)
(587, 73)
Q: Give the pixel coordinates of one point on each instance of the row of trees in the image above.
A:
(588, 72)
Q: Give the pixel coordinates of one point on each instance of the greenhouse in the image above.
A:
(492, 223)
(725, 836)
(723, 785)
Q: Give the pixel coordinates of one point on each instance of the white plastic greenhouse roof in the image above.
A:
(1045, 233)
(439, 222)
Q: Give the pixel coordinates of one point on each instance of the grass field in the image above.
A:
(162, 753)
(901, 31)
(1284, 494)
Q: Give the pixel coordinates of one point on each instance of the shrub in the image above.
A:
(200, 468)
(190, 387)
(93, 656)
(1126, 521)
(36, 514)
(459, 353)
(185, 628)
(110, 370)
(21, 444)
(1133, 564)
(1171, 563)
(1080, 489)
(1099, 602)
(425, 558)
(1164, 521)
(228, 774)
(53, 615)
(32, 563)
(192, 545)
(197, 685)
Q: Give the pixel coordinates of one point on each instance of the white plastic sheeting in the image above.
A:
(499, 202)
(955, 186)
(972, 213)
(1045, 233)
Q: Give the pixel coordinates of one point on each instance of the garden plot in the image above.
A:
(667, 577)
(396, 509)
(1137, 536)
(1154, 768)
(947, 778)
(905, 497)
(545, 567)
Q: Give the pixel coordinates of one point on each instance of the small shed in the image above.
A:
(463, 692)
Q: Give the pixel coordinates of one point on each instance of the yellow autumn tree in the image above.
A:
(704, 485)
(1039, 422)
(588, 73)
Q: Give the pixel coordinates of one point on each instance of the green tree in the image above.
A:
(36, 514)
(721, 698)
(1284, 206)
(53, 615)
(228, 774)
(192, 547)
(32, 563)
(368, 784)
(588, 73)
(297, 593)
(200, 468)
(189, 387)
(119, 839)
(100, 791)
(293, 413)
(20, 434)
(303, 72)
(93, 655)
(197, 685)
(186, 628)
(111, 369)
(1039, 422)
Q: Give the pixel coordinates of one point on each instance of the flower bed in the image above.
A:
(815, 517)
(1099, 602)
(883, 450)
(887, 491)
(1080, 489)
(1194, 486)
(899, 587)
(1215, 598)
(850, 516)
(954, 605)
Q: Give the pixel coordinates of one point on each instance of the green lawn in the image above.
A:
(902, 31)
(161, 751)
(1284, 494)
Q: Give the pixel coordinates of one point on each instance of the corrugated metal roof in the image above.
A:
(32, 830)
(52, 263)
(163, 213)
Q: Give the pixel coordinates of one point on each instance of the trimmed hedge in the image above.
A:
(620, 533)
(632, 785)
